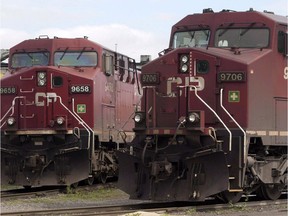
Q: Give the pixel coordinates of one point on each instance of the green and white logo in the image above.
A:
(81, 108)
(234, 96)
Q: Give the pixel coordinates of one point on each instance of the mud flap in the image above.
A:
(133, 176)
(72, 167)
(64, 169)
(205, 175)
(10, 165)
(208, 175)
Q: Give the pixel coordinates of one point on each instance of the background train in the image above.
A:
(66, 105)
(213, 117)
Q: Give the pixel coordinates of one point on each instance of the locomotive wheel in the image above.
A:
(75, 185)
(103, 177)
(230, 197)
(90, 180)
(271, 192)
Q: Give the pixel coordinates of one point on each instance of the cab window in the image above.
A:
(282, 43)
(29, 59)
(197, 38)
(75, 58)
(108, 64)
(242, 37)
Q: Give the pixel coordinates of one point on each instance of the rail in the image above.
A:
(218, 117)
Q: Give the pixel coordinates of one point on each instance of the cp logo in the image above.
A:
(40, 98)
(198, 82)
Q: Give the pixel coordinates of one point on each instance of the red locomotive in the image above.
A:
(66, 105)
(213, 117)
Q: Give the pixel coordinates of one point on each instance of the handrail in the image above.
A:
(80, 121)
(27, 78)
(27, 91)
(73, 113)
(11, 108)
(28, 117)
(218, 117)
(245, 136)
(85, 125)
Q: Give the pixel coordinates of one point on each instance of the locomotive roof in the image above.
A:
(276, 18)
(50, 42)
(228, 16)
(44, 42)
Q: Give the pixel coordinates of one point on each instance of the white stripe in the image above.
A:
(268, 133)
(167, 132)
(251, 132)
(273, 133)
(283, 133)
(261, 133)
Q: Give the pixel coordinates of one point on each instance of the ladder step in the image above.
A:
(235, 190)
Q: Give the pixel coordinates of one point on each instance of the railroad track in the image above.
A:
(5, 196)
(162, 207)
(34, 192)
(43, 191)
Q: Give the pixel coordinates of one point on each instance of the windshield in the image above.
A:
(242, 37)
(75, 58)
(197, 38)
(29, 59)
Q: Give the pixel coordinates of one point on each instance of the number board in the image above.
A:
(150, 79)
(7, 90)
(231, 77)
(80, 89)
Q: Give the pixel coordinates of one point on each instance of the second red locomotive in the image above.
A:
(66, 105)
(213, 117)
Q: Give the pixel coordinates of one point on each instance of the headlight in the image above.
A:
(184, 68)
(41, 82)
(140, 120)
(193, 117)
(195, 120)
(184, 59)
(41, 78)
(41, 75)
(184, 63)
(11, 121)
(60, 120)
(138, 117)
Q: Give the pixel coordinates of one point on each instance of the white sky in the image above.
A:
(137, 27)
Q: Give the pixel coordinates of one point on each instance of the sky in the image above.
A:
(132, 27)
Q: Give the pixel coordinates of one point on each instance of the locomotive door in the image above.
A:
(39, 105)
(108, 109)
(51, 99)
(108, 123)
(203, 78)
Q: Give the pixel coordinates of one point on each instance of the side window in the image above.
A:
(108, 64)
(202, 66)
(121, 68)
(282, 43)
